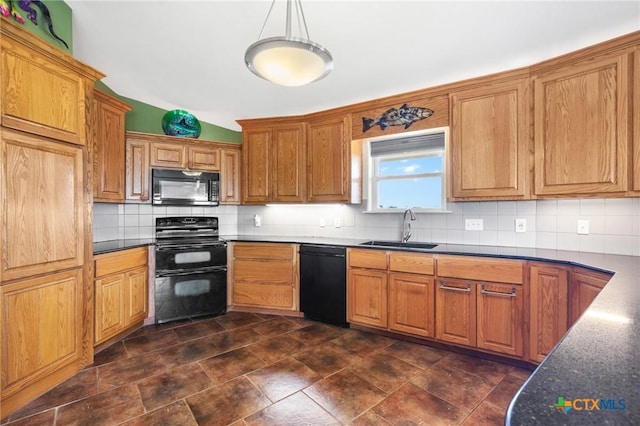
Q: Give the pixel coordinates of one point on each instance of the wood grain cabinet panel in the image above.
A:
(168, 155)
(411, 304)
(548, 306)
(203, 158)
(636, 120)
(264, 276)
(584, 286)
(456, 311)
(367, 295)
(500, 318)
(288, 164)
(121, 292)
(489, 141)
(43, 90)
(328, 159)
(108, 148)
(43, 205)
(137, 170)
(41, 332)
(581, 127)
(256, 165)
(230, 176)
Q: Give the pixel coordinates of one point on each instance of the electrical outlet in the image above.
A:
(322, 224)
(521, 225)
(337, 222)
(583, 227)
(473, 224)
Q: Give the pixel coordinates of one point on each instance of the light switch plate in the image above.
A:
(337, 222)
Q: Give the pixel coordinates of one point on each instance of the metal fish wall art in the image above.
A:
(403, 116)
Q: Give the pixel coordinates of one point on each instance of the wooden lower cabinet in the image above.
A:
(500, 318)
(41, 327)
(584, 287)
(121, 292)
(456, 311)
(548, 305)
(411, 304)
(264, 276)
(367, 297)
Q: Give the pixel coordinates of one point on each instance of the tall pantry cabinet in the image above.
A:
(45, 215)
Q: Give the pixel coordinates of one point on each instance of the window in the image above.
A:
(407, 172)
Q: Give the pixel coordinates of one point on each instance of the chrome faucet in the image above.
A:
(406, 226)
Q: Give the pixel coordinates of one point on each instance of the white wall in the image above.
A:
(614, 223)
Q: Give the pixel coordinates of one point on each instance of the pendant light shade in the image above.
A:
(287, 60)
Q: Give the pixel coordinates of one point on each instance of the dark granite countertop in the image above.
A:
(116, 245)
(598, 359)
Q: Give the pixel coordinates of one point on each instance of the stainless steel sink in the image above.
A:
(398, 244)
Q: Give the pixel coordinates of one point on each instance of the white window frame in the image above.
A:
(372, 178)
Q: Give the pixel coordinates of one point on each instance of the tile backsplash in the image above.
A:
(614, 224)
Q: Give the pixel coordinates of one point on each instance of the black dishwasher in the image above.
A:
(323, 283)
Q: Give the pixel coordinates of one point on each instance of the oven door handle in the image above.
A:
(187, 246)
(182, 272)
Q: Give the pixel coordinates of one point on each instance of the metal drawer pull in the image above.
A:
(465, 290)
(496, 293)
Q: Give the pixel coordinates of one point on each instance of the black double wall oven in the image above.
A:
(191, 269)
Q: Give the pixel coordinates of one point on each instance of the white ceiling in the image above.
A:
(190, 54)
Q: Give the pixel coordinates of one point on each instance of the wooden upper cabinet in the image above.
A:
(581, 126)
(489, 141)
(203, 158)
(43, 205)
(108, 148)
(328, 159)
(230, 176)
(288, 181)
(43, 90)
(273, 163)
(548, 306)
(168, 155)
(137, 170)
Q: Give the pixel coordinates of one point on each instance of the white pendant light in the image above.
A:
(288, 60)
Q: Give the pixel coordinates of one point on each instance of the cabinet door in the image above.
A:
(328, 161)
(137, 171)
(547, 310)
(136, 300)
(108, 148)
(110, 306)
(41, 331)
(584, 288)
(581, 127)
(636, 120)
(256, 165)
(203, 158)
(230, 177)
(411, 304)
(500, 318)
(289, 163)
(456, 311)
(489, 141)
(367, 297)
(168, 155)
(43, 205)
(42, 91)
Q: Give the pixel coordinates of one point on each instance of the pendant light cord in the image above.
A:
(302, 22)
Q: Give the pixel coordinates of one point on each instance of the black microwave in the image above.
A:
(185, 188)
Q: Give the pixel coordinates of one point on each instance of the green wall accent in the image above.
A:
(61, 18)
(148, 119)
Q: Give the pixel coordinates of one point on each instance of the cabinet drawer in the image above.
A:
(260, 272)
(117, 261)
(370, 259)
(415, 263)
(481, 269)
(272, 296)
(263, 251)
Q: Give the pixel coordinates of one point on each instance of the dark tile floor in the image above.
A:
(250, 369)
